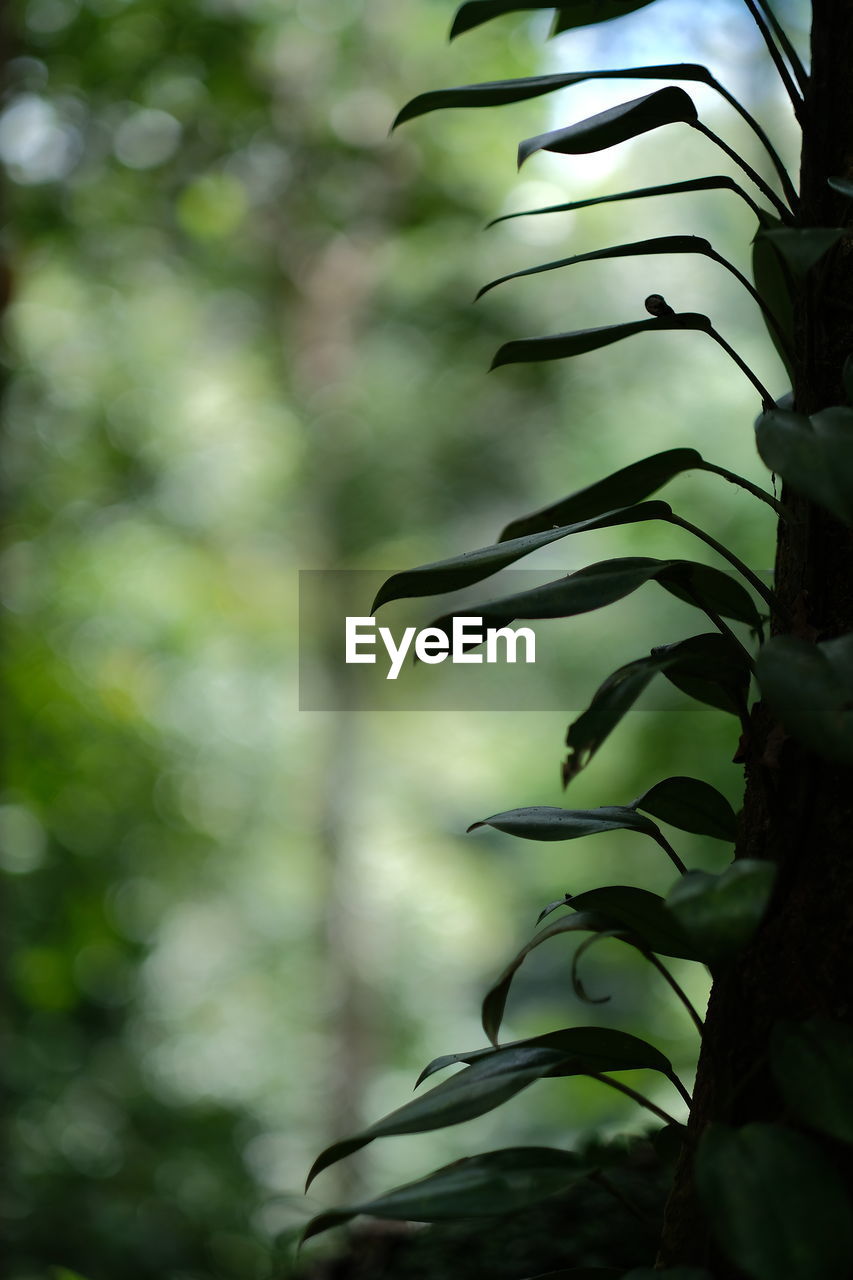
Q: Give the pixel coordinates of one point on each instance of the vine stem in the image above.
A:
(752, 578)
(743, 483)
(788, 49)
(741, 278)
(778, 61)
(767, 401)
(679, 990)
(641, 1098)
(661, 839)
(782, 209)
(788, 187)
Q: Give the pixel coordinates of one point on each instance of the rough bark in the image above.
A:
(798, 810)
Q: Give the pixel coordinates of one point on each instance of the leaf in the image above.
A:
(572, 1051)
(717, 182)
(843, 185)
(775, 284)
(499, 93)
(578, 13)
(544, 822)
(802, 247)
(776, 1206)
(484, 1186)
(721, 913)
(691, 805)
(644, 915)
(562, 346)
(637, 249)
(617, 124)
(712, 669)
(621, 489)
(812, 454)
(604, 583)
(473, 566)
(810, 689)
(473, 1092)
(577, 986)
(813, 1066)
(726, 678)
(494, 1003)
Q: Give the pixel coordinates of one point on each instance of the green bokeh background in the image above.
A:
(240, 344)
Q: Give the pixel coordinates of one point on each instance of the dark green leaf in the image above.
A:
(720, 914)
(553, 906)
(723, 679)
(604, 583)
(484, 1186)
(572, 1051)
(577, 986)
(495, 1002)
(801, 247)
(775, 1204)
(617, 124)
(712, 669)
(642, 914)
(843, 185)
(575, 13)
(474, 566)
(498, 93)
(473, 1092)
(775, 284)
(691, 805)
(717, 182)
(810, 688)
(621, 489)
(813, 1065)
(812, 454)
(562, 346)
(544, 822)
(638, 249)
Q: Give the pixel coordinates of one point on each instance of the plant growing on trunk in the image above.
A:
(762, 1183)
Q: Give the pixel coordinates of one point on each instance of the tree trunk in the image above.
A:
(798, 810)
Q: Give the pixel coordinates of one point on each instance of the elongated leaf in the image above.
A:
(604, 583)
(843, 185)
(583, 13)
(810, 689)
(577, 986)
(572, 1051)
(642, 914)
(813, 1065)
(575, 13)
(498, 93)
(484, 1186)
(563, 346)
(802, 247)
(712, 669)
(725, 680)
(474, 566)
(775, 1204)
(544, 822)
(473, 1092)
(716, 182)
(691, 805)
(623, 488)
(494, 1003)
(637, 249)
(812, 454)
(719, 914)
(775, 283)
(617, 124)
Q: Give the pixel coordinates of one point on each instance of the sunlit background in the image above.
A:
(240, 344)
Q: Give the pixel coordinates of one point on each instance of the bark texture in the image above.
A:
(798, 810)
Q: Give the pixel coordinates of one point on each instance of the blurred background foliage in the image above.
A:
(240, 344)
